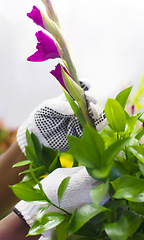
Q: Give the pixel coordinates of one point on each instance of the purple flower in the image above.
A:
(133, 109)
(143, 124)
(57, 73)
(46, 49)
(36, 16)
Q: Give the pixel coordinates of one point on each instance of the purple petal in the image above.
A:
(46, 49)
(35, 15)
(57, 73)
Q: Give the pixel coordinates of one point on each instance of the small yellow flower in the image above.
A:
(67, 160)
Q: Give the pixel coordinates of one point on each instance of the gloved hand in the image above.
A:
(54, 119)
(76, 195)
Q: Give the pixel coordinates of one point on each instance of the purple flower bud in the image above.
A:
(57, 73)
(143, 124)
(46, 49)
(36, 16)
(133, 109)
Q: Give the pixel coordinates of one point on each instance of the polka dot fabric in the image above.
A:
(55, 126)
(54, 119)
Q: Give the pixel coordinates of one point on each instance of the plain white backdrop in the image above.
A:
(105, 38)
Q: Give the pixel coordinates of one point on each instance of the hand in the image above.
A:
(76, 195)
(54, 119)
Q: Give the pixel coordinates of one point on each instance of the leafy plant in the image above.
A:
(116, 157)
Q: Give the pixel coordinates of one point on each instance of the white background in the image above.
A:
(105, 38)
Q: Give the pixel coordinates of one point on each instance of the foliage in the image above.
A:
(114, 156)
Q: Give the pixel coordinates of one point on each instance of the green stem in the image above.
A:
(58, 36)
(84, 110)
(52, 27)
(42, 191)
(50, 11)
(64, 53)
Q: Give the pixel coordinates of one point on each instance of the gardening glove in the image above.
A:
(54, 119)
(76, 195)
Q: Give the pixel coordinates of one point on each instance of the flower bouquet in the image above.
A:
(115, 156)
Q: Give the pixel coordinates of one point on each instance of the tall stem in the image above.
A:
(51, 12)
(56, 31)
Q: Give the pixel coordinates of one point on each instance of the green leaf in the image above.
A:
(129, 187)
(138, 236)
(83, 215)
(48, 221)
(73, 88)
(27, 193)
(131, 121)
(125, 227)
(49, 155)
(37, 148)
(22, 163)
(63, 230)
(115, 115)
(97, 194)
(137, 207)
(31, 157)
(88, 149)
(141, 167)
(30, 143)
(41, 212)
(62, 188)
(138, 151)
(140, 134)
(104, 167)
(55, 164)
(122, 97)
(75, 108)
(114, 149)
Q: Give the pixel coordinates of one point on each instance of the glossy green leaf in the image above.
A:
(49, 155)
(98, 193)
(83, 215)
(22, 163)
(63, 230)
(137, 207)
(131, 121)
(114, 149)
(104, 168)
(27, 193)
(140, 134)
(129, 187)
(41, 212)
(55, 164)
(138, 151)
(31, 157)
(88, 230)
(115, 115)
(88, 149)
(37, 148)
(48, 221)
(122, 97)
(62, 188)
(141, 167)
(75, 108)
(30, 143)
(125, 227)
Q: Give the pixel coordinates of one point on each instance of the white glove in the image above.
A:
(76, 195)
(54, 119)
